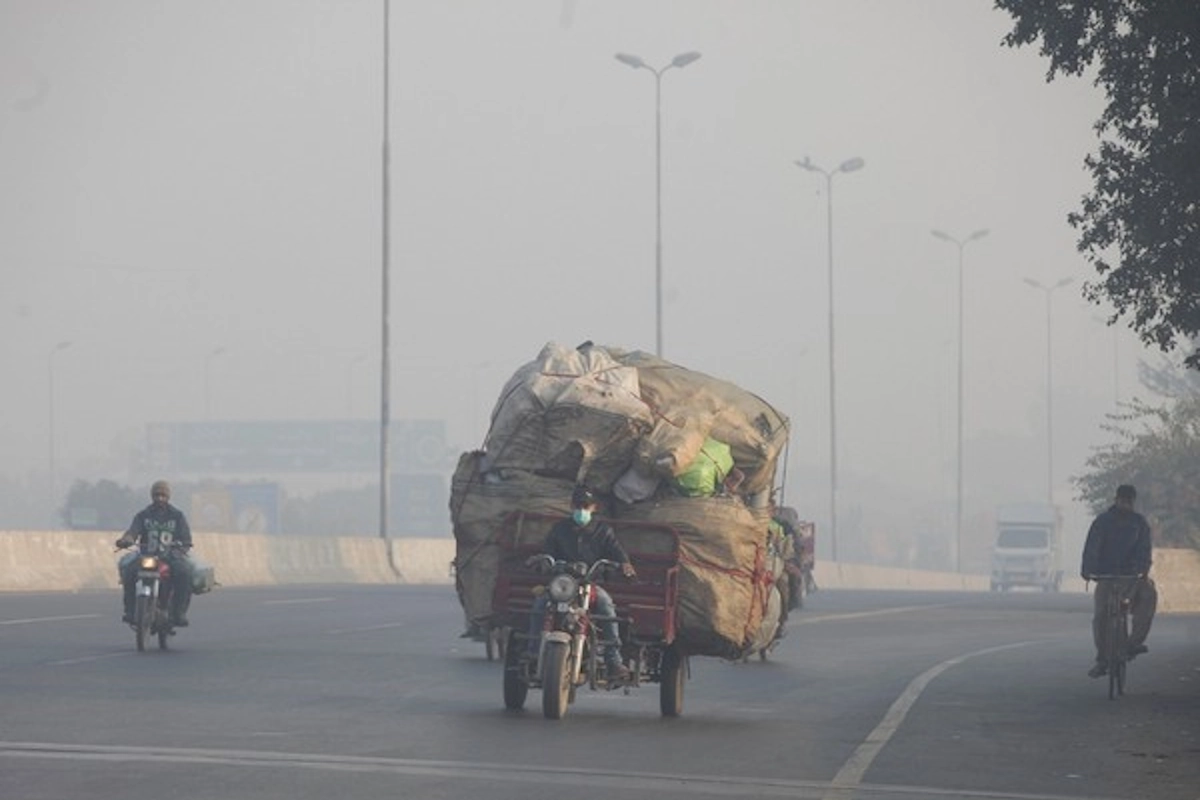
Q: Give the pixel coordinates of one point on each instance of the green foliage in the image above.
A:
(1158, 451)
(103, 505)
(1140, 226)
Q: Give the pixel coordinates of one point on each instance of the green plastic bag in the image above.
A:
(707, 471)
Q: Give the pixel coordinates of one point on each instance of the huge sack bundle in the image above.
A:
(661, 439)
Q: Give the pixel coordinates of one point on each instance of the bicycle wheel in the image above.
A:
(1122, 647)
(1111, 656)
(1118, 641)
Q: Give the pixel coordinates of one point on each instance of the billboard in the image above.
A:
(238, 508)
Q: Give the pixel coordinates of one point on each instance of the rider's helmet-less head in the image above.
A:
(583, 497)
(160, 491)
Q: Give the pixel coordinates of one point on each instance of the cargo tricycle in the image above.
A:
(555, 641)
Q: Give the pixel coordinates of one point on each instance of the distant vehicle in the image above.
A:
(1028, 548)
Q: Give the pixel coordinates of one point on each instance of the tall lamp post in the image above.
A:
(849, 165)
(958, 458)
(1049, 291)
(218, 351)
(679, 61)
(385, 351)
(58, 348)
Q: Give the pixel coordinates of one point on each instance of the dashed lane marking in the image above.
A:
(35, 620)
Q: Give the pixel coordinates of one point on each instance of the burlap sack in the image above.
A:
(724, 586)
(755, 431)
(571, 414)
(479, 504)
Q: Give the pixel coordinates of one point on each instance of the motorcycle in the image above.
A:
(569, 649)
(153, 591)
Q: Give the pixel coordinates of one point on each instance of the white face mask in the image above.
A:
(582, 516)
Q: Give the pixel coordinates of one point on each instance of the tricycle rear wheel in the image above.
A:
(672, 675)
(515, 687)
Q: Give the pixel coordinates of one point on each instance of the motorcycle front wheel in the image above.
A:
(556, 686)
(143, 613)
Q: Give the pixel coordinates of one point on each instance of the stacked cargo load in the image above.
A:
(663, 445)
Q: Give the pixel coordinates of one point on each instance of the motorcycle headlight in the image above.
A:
(562, 588)
(149, 562)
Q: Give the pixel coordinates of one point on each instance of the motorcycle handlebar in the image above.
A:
(599, 567)
(546, 563)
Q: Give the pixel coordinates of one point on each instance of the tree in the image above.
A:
(1140, 226)
(1160, 460)
(103, 505)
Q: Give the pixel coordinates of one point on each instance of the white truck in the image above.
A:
(1028, 548)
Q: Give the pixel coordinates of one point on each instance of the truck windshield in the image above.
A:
(1021, 537)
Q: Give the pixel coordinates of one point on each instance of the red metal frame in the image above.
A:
(648, 606)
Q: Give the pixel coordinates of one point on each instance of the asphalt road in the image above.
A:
(367, 692)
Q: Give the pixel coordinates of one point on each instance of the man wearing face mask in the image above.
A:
(580, 537)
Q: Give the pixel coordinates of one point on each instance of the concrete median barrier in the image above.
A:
(77, 560)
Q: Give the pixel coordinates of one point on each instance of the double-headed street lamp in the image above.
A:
(679, 61)
(958, 459)
(58, 348)
(1049, 291)
(849, 165)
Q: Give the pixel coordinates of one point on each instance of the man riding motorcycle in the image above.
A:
(167, 523)
(582, 538)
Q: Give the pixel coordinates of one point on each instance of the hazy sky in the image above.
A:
(180, 177)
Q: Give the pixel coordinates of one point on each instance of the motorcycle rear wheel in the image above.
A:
(142, 614)
(556, 688)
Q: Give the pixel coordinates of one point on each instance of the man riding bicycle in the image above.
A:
(1118, 543)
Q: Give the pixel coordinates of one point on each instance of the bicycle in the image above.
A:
(1117, 621)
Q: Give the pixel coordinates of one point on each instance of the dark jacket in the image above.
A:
(167, 523)
(1118, 543)
(567, 541)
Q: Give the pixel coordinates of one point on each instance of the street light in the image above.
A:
(849, 165)
(385, 347)
(1049, 290)
(679, 62)
(207, 375)
(958, 459)
(50, 370)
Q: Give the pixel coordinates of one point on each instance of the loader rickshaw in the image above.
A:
(564, 653)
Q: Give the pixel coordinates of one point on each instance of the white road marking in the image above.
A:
(33, 620)
(850, 775)
(661, 783)
(84, 659)
(298, 601)
(803, 620)
(336, 631)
